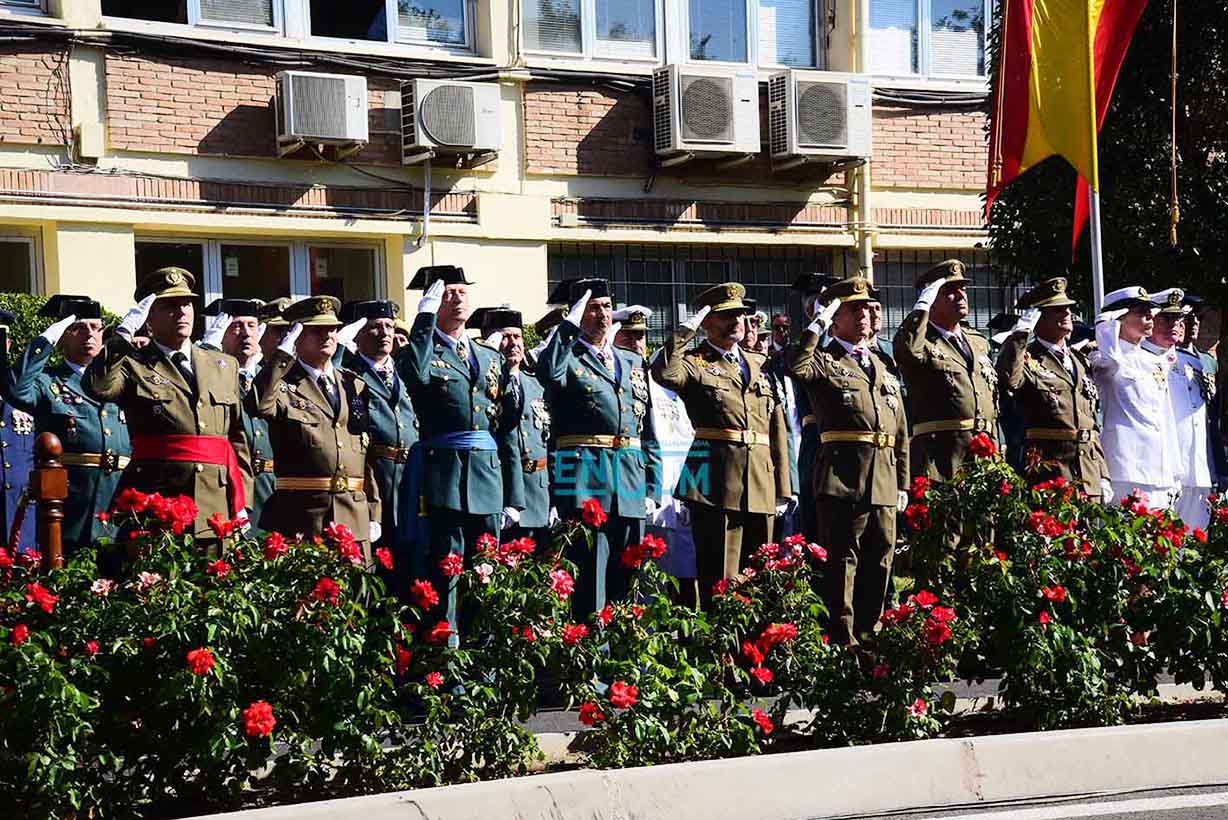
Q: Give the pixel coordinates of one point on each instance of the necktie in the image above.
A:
(604, 357)
(245, 381)
(863, 358)
(390, 378)
(330, 392)
(962, 345)
(462, 350)
(181, 363)
(732, 358)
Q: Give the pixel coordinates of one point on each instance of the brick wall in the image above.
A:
(216, 107)
(32, 86)
(926, 148)
(587, 131)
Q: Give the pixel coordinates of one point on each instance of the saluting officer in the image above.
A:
(16, 448)
(318, 423)
(947, 367)
(94, 434)
(598, 398)
(1053, 394)
(393, 425)
(236, 330)
(468, 458)
(275, 326)
(740, 434)
(810, 286)
(182, 403)
(861, 474)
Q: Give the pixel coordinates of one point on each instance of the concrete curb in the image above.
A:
(823, 783)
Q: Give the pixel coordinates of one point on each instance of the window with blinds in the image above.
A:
(893, 37)
(244, 12)
(553, 25)
(957, 37)
(717, 30)
(36, 5)
(626, 28)
(432, 21)
(786, 33)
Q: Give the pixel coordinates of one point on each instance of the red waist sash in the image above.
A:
(209, 449)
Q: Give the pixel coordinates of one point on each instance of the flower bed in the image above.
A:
(163, 692)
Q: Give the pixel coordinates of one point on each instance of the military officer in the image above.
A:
(393, 425)
(948, 366)
(236, 330)
(94, 434)
(16, 450)
(318, 422)
(811, 287)
(861, 474)
(1053, 393)
(740, 435)
(598, 400)
(503, 329)
(468, 454)
(1140, 433)
(182, 403)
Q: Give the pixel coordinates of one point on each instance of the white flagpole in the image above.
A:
(1093, 197)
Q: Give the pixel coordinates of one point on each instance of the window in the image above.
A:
(930, 37)
(620, 29)
(896, 271)
(349, 273)
(253, 271)
(255, 14)
(22, 5)
(19, 264)
(787, 33)
(717, 30)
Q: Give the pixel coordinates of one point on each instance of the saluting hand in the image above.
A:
(697, 318)
(215, 330)
(495, 339)
(577, 310)
(433, 298)
(926, 300)
(136, 316)
(347, 334)
(56, 330)
(287, 344)
(822, 319)
(1111, 315)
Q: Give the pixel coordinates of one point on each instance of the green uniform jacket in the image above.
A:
(586, 399)
(158, 402)
(844, 398)
(310, 442)
(946, 389)
(1046, 397)
(450, 397)
(741, 477)
(533, 430)
(256, 430)
(59, 404)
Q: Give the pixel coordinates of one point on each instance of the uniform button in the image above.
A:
(258, 434)
(400, 426)
(8, 466)
(200, 468)
(103, 413)
(8, 486)
(4, 444)
(620, 391)
(336, 425)
(107, 432)
(475, 427)
(203, 425)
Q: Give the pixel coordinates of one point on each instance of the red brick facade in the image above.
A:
(927, 148)
(32, 85)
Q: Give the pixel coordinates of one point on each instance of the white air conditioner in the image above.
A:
(819, 114)
(705, 110)
(326, 109)
(448, 117)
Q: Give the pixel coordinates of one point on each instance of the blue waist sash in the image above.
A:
(463, 440)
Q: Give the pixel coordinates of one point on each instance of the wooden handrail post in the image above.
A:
(49, 488)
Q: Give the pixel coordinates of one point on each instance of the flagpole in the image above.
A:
(1093, 197)
(1093, 186)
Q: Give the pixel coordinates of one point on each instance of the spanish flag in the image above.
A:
(1057, 65)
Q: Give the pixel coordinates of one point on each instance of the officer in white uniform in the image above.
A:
(1140, 436)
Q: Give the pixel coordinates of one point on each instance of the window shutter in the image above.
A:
(251, 12)
(786, 33)
(552, 25)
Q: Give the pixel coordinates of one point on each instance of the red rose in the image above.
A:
(752, 653)
(653, 547)
(258, 720)
(592, 514)
(936, 632)
(623, 695)
(1200, 535)
(562, 584)
(762, 674)
(338, 533)
(404, 656)
(130, 501)
(384, 556)
(37, 594)
(452, 565)
(762, 721)
(149, 643)
(200, 661)
(326, 591)
(1043, 618)
(439, 633)
(350, 551)
(1005, 488)
(21, 633)
(527, 633)
(881, 671)
(434, 680)
(103, 517)
(572, 633)
(6, 560)
(424, 594)
(91, 648)
(982, 446)
(591, 714)
(221, 525)
(486, 544)
(925, 599)
(942, 614)
(817, 552)
(218, 568)
(606, 615)
(919, 487)
(918, 708)
(917, 516)
(275, 546)
(775, 634)
(1055, 593)
(720, 587)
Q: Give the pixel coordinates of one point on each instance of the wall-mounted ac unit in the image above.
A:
(705, 110)
(819, 114)
(448, 117)
(326, 109)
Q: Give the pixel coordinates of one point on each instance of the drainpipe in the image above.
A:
(864, 212)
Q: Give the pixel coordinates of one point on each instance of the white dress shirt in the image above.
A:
(608, 351)
(185, 349)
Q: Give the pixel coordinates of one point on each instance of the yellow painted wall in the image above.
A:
(98, 260)
(502, 271)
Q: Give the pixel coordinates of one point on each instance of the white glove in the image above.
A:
(56, 330)
(613, 331)
(553, 518)
(577, 310)
(1026, 323)
(511, 516)
(347, 334)
(433, 298)
(650, 506)
(1111, 315)
(697, 319)
(926, 300)
(1107, 496)
(215, 330)
(287, 344)
(782, 506)
(260, 329)
(375, 531)
(901, 501)
(136, 316)
(495, 339)
(822, 319)
(793, 504)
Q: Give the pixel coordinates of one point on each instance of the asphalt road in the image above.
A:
(1208, 803)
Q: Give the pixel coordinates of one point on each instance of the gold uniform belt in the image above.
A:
(398, 454)
(336, 484)
(261, 465)
(882, 440)
(609, 442)
(950, 426)
(1057, 434)
(106, 461)
(747, 437)
(533, 465)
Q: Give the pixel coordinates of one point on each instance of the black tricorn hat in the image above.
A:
(62, 305)
(809, 283)
(234, 307)
(449, 274)
(1003, 321)
(489, 318)
(551, 319)
(371, 309)
(570, 290)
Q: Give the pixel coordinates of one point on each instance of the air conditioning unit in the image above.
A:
(448, 117)
(705, 111)
(325, 109)
(819, 114)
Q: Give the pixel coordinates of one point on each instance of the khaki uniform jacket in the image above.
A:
(946, 389)
(309, 442)
(1046, 397)
(157, 401)
(741, 477)
(845, 399)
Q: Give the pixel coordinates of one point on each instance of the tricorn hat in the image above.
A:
(371, 309)
(63, 305)
(570, 290)
(429, 275)
(491, 318)
(234, 307)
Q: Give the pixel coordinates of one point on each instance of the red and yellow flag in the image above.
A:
(1058, 64)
